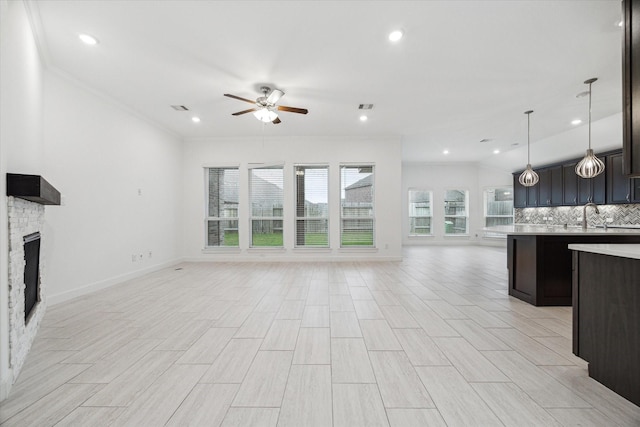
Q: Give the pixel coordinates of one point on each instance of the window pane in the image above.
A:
(499, 201)
(312, 201)
(419, 212)
(455, 211)
(266, 192)
(455, 225)
(357, 210)
(266, 232)
(222, 203)
(357, 232)
(222, 232)
(420, 225)
(312, 232)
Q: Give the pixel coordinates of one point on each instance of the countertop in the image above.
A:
(624, 250)
(558, 230)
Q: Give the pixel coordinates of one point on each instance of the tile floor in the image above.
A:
(433, 340)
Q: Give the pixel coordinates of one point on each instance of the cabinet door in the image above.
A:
(618, 185)
(532, 196)
(544, 187)
(635, 190)
(519, 193)
(599, 188)
(556, 197)
(570, 184)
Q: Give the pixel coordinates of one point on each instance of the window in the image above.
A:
(312, 206)
(357, 213)
(498, 206)
(266, 195)
(222, 207)
(420, 212)
(455, 212)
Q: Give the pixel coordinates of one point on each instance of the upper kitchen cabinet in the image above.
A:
(592, 190)
(550, 189)
(570, 184)
(631, 86)
(620, 188)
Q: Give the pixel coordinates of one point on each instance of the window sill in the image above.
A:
(311, 250)
(267, 249)
(357, 249)
(456, 235)
(221, 249)
(419, 236)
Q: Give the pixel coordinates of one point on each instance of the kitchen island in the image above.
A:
(540, 263)
(606, 314)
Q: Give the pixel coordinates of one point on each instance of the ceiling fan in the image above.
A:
(265, 108)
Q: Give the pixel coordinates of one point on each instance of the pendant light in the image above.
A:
(529, 177)
(590, 165)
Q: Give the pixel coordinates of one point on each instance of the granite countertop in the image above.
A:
(558, 230)
(624, 250)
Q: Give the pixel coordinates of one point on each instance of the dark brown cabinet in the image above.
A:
(618, 185)
(519, 193)
(550, 189)
(592, 190)
(570, 184)
(631, 84)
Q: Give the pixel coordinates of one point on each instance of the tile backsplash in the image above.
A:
(572, 215)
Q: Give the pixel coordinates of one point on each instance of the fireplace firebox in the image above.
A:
(31, 272)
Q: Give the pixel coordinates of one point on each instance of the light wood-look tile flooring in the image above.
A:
(432, 340)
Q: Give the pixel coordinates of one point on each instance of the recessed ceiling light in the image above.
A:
(87, 39)
(445, 152)
(496, 151)
(576, 122)
(396, 35)
(620, 23)
(195, 119)
(363, 118)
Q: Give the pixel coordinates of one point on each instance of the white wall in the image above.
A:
(441, 177)
(20, 136)
(120, 180)
(385, 154)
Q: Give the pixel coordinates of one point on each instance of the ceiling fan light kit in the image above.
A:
(590, 166)
(529, 177)
(265, 108)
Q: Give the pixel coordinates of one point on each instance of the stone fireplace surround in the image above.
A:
(25, 217)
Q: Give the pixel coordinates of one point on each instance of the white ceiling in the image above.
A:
(464, 71)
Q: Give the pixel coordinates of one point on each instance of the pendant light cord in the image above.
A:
(528, 137)
(590, 83)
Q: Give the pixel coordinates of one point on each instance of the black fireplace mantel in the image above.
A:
(33, 188)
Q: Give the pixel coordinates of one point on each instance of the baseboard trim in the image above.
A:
(102, 284)
(5, 386)
(298, 258)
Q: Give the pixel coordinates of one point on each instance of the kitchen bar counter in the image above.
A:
(559, 230)
(606, 314)
(539, 260)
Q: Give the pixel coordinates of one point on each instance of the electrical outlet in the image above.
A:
(150, 254)
(141, 257)
(609, 220)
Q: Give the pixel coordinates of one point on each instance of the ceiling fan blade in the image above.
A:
(292, 109)
(244, 112)
(274, 96)
(276, 121)
(241, 99)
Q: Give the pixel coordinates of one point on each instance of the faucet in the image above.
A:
(584, 214)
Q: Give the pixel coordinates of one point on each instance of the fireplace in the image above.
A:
(31, 273)
(27, 197)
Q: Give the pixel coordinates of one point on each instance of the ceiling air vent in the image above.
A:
(485, 140)
(179, 108)
(365, 107)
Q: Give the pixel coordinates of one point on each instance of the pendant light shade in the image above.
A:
(590, 165)
(529, 177)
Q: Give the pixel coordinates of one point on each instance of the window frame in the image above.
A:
(373, 205)
(250, 169)
(311, 218)
(413, 234)
(207, 213)
(466, 211)
(485, 201)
